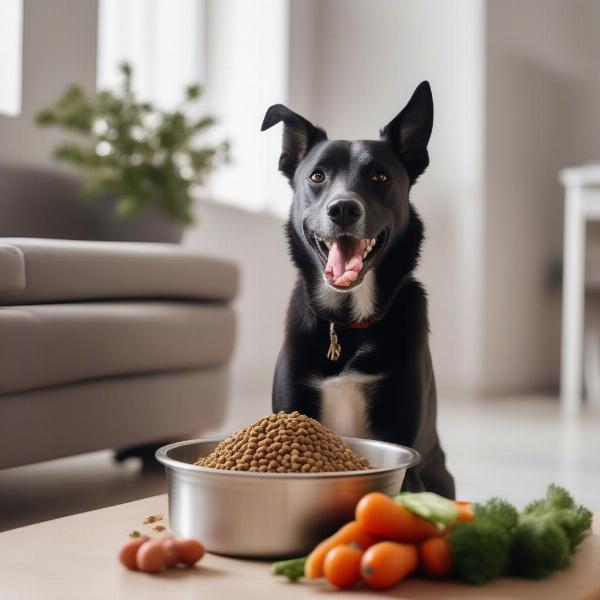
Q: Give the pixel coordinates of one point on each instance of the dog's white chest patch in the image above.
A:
(344, 401)
(363, 298)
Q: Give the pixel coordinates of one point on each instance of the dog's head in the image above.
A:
(351, 197)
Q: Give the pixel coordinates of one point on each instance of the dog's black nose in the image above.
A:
(344, 212)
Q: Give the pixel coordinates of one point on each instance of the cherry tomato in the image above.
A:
(342, 565)
(129, 550)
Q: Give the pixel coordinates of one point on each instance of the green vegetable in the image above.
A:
(547, 534)
(499, 511)
(429, 506)
(293, 569)
(481, 549)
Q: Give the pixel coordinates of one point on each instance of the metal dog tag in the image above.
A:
(334, 347)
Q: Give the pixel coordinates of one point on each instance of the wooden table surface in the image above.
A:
(74, 558)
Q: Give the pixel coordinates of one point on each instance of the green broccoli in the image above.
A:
(499, 511)
(481, 549)
(547, 534)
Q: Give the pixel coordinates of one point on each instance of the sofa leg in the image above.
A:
(145, 452)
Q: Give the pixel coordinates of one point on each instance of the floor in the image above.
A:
(515, 447)
(509, 447)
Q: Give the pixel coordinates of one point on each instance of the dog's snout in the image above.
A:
(344, 212)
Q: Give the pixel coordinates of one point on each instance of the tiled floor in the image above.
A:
(511, 447)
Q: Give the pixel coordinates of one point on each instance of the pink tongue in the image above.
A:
(344, 262)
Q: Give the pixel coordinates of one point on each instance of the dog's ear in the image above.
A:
(409, 131)
(299, 136)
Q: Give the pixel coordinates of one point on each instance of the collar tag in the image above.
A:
(335, 349)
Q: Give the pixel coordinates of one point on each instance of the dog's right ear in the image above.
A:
(299, 136)
(409, 131)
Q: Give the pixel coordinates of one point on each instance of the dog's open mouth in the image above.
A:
(347, 259)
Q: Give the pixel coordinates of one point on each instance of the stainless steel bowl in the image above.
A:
(268, 515)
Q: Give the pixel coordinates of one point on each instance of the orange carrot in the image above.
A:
(381, 515)
(436, 557)
(465, 511)
(351, 533)
(385, 564)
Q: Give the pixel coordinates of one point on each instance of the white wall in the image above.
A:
(59, 47)
(542, 114)
(256, 242)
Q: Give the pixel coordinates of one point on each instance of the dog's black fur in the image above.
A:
(401, 404)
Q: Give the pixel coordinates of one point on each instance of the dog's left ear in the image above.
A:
(409, 131)
(299, 136)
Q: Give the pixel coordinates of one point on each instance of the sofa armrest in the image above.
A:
(34, 271)
(12, 270)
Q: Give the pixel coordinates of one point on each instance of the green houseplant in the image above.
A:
(132, 154)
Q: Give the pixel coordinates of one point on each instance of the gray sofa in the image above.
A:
(105, 344)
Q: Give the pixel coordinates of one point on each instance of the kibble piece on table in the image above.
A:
(284, 443)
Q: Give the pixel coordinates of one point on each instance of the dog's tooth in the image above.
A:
(365, 254)
(373, 240)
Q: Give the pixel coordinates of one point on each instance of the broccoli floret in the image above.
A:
(498, 510)
(538, 549)
(481, 549)
(549, 529)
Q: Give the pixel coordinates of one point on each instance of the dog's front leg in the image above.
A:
(402, 410)
(292, 389)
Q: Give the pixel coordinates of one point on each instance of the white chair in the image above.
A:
(579, 357)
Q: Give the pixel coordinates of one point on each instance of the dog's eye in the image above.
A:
(379, 177)
(317, 176)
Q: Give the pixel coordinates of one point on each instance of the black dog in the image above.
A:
(356, 352)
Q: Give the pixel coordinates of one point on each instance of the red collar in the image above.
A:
(354, 325)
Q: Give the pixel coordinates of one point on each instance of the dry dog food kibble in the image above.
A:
(284, 443)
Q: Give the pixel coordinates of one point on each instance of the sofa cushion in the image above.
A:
(45, 345)
(67, 270)
(110, 413)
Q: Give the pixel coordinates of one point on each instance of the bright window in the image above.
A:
(11, 36)
(161, 39)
